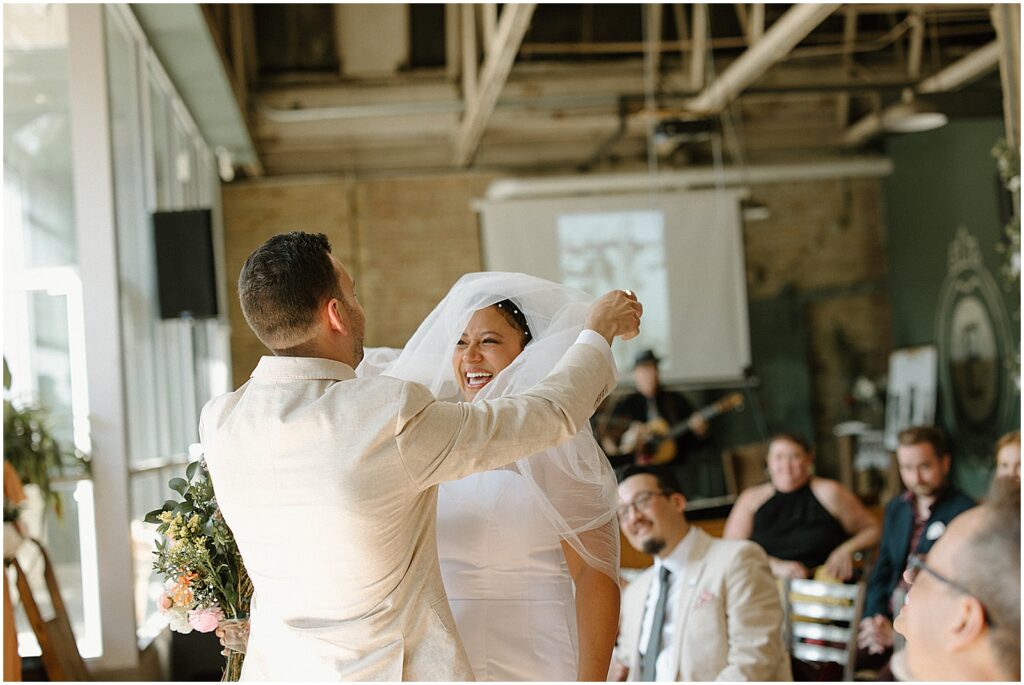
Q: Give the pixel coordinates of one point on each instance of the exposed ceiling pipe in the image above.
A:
(862, 130)
(963, 71)
(601, 184)
(783, 35)
(954, 76)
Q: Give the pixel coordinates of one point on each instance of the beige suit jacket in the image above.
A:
(328, 482)
(729, 616)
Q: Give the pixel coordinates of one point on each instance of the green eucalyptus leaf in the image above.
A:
(179, 485)
(154, 516)
(190, 470)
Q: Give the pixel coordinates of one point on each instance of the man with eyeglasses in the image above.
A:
(913, 522)
(961, 619)
(708, 609)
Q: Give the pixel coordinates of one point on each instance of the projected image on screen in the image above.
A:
(601, 252)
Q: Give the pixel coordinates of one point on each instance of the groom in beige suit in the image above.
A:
(707, 610)
(328, 481)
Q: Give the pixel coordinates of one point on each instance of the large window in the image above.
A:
(166, 370)
(160, 163)
(43, 338)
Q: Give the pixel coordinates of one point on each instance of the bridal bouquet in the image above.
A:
(204, 579)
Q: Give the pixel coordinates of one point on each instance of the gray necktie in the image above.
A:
(649, 660)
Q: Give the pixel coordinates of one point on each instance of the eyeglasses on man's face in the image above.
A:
(916, 564)
(641, 502)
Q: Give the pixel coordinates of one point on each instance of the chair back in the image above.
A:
(60, 655)
(821, 621)
(743, 466)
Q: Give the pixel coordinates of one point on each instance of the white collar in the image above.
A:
(677, 558)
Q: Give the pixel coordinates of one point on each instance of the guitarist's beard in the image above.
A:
(653, 545)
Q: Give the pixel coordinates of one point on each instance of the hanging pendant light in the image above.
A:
(912, 115)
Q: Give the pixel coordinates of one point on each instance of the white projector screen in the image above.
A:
(682, 252)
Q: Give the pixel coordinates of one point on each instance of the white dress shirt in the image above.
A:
(676, 564)
(591, 337)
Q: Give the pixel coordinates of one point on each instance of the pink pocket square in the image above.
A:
(704, 597)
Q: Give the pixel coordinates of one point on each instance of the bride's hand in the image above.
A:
(615, 314)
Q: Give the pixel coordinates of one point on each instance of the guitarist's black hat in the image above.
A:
(646, 357)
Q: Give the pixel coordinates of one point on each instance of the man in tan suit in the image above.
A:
(328, 481)
(708, 609)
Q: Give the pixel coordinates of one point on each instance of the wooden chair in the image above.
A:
(821, 621)
(60, 655)
(743, 466)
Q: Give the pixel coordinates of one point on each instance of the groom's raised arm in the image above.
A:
(440, 441)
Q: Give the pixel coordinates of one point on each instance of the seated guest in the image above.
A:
(1008, 456)
(707, 610)
(913, 522)
(800, 520)
(962, 615)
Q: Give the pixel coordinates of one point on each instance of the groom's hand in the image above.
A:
(615, 314)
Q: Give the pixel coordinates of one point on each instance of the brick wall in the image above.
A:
(404, 241)
(827, 239)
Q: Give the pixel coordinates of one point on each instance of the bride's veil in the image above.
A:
(572, 484)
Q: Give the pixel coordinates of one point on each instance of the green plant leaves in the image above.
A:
(179, 485)
(32, 450)
(190, 470)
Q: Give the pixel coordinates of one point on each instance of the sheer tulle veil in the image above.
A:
(572, 484)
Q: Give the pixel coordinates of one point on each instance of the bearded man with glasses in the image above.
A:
(961, 618)
(708, 609)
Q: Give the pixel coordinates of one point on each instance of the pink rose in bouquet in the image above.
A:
(205, 620)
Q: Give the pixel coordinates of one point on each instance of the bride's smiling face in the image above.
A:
(487, 346)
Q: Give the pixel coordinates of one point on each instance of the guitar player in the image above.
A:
(629, 420)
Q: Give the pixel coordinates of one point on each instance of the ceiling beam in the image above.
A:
(783, 36)
(741, 17)
(756, 22)
(916, 44)
(652, 51)
(489, 21)
(468, 52)
(512, 26)
(963, 71)
(849, 40)
(700, 38)
(1006, 19)
(452, 38)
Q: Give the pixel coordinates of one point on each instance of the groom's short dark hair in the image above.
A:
(282, 285)
(666, 479)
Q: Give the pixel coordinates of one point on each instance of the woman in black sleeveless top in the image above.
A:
(800, 520)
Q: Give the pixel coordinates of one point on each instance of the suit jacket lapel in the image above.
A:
(694, 570)
(636, 618)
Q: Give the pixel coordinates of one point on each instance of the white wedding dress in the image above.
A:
(499, 532)
(516, 614)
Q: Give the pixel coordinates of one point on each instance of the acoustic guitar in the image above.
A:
(660, 445)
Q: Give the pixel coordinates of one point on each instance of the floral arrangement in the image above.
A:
(205, 581)
(1008, 163)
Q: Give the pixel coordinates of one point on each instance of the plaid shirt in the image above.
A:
(899, 593)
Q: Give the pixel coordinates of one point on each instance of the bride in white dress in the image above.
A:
(529, 554)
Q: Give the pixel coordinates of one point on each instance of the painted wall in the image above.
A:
(945, 180)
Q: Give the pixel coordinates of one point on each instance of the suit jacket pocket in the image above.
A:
(443, 611)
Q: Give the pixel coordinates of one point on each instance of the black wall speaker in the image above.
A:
(185, 268)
